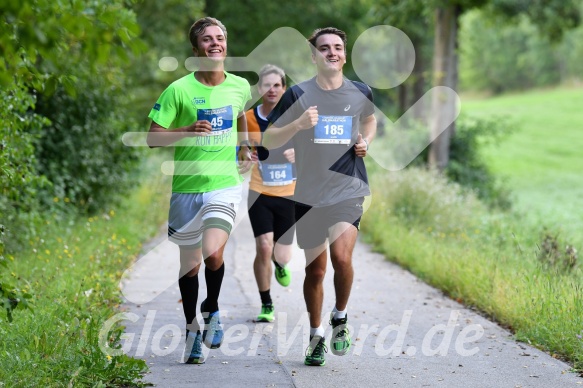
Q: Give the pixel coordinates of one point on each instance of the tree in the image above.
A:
(552, 17)
(414, 20)
(50, 50)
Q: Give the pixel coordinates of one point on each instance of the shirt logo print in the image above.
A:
(347, 108)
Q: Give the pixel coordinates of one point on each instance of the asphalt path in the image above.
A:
(405, 333)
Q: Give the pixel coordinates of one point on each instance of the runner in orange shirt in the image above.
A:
(271, 206)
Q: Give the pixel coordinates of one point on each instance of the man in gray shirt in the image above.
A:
(331, 122)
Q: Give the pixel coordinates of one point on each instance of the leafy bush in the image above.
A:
(81, 152)
(466, 165)
(424, 198)
(19, 181)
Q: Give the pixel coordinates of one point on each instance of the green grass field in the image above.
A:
(543, 159)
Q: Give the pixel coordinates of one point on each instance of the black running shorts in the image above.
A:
(272, 214)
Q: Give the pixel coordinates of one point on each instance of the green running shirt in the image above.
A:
(204, 163)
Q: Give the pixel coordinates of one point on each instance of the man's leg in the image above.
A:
(314, 283)
(343, 237)
(262, 269)
(311, 231)
(262, 264)
(282, 253)
(316, 258)
(283, 235)
(190, 260)
(218, 217)
(213, 245)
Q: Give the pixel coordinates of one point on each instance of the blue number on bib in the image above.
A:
(277, 174)
(221, 119)
(333, 130)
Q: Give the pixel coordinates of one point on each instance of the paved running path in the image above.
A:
(405, 333)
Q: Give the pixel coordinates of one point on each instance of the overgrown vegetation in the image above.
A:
(557, 255)
(467, 165)
(483, 258)
(74, 266)
(65, 99)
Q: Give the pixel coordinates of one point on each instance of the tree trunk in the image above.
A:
(418, 80)
(445, 73)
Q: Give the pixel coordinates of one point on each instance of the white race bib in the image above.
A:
(276, 174)
(333, 130)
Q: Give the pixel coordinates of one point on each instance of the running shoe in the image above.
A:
(212, 335)
(340, 341)
(282, 274)
(267, 313)
(193, 349)
(315, 353)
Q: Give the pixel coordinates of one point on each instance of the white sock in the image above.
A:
(318, 331)
(339, 314)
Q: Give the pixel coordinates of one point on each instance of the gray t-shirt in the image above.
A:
(328, 170)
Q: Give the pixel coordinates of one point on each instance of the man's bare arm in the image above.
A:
(274, 136)
(368, 128)
(244, 156)
(158, 136)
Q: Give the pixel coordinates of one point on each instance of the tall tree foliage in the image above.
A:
(264, 17)
(414, 19)
(499, 57)
(61, 51)
(552, 17)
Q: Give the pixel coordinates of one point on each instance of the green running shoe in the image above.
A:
(282, 274)
(267, 313)
(315, 353)
(340, 341)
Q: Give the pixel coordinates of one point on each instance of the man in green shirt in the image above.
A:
(203, 116)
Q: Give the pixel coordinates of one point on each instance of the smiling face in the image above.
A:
(211, 43)
(330, 55)
(271, 88)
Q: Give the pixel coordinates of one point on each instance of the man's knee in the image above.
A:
(315, 273)
(282, 253)
(341, 261)
(214, 260)
(264, 248)
(190, 260)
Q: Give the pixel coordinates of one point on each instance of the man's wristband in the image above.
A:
(366, 142)
(245, 143)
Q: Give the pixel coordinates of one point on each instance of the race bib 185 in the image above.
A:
(333, 130)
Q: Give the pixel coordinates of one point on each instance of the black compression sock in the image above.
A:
(265, 297)
(214, 280)
(189, 292)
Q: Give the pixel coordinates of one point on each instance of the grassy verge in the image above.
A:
(542, 160)
(494, 262)
(73, 269)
